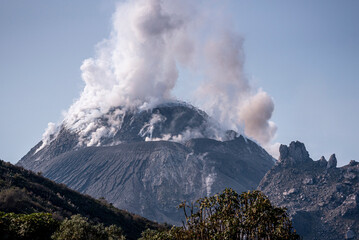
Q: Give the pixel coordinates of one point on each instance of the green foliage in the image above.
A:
(42, 226)
(175, 233)
(114, 233)
(22, 191)
(230, 215)
(79, 228)
(13, 198)
(36, 226)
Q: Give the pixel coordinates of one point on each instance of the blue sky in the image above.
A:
(305, 54)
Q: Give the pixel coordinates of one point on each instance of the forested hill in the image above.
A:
(22, 191)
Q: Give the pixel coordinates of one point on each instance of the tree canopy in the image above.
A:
(230, 215)
(41, 226)
(79, 228)
(35, 226)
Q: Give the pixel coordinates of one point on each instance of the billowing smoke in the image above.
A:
(227, 95)
(137, 68)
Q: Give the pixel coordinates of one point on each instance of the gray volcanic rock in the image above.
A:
(64, 142)
(174, 119)
(293, 154)
(332, 163)
(151, 178)
(322, 201)
(322, 161)
(134, 126)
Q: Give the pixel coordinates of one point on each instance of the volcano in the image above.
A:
(150, 160)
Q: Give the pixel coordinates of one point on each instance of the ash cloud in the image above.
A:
(227, 95)
(137, 68)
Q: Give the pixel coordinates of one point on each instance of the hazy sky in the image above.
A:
(305, 54)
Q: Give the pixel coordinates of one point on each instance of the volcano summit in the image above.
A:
(154, 159)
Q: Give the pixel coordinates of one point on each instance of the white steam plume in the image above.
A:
(136, 67)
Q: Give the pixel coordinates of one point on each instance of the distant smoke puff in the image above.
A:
(147, 130)
(97, 135)
(225, 85)
(228, 95)
(209, 180)
(48, 135)
(256, 113)
(181, 138)
(187, 135)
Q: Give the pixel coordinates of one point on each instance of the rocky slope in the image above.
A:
(22, 191)
(322, 198)
(151, 178)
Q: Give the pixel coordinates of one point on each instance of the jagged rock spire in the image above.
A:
(332, 163)
(323, 162)
(295, 152)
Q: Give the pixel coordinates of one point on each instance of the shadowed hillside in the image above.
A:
(22, 191)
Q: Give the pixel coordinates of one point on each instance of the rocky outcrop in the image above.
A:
(151, 178)
(321, 198)
(332, 163)
(294, 153)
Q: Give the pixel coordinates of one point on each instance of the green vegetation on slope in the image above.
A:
(42, 226)
(23, 192)
(35, 226)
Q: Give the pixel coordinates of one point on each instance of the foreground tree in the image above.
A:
(35, 226)
(79, 228)
(42, 226)
(230, 215)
